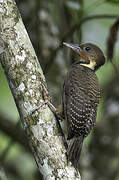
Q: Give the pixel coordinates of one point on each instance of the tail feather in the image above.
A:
(74, 150)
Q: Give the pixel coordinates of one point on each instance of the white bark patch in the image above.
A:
(21, 57)
(30, 91)
(35, 101)
(41, 121)
(37, 131)
(28, 107)
(50, 129)
(21, 87)
(60, 171)
(33, 77)
(2, 10)
(29, 65)
(46, 170)
(69, 171)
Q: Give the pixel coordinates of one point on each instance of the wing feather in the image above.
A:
(80, 99)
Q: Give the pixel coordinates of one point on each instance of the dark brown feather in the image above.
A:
(81, 96)
(74, 150)
(80, 100)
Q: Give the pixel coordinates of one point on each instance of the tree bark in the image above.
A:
(2, 174)
(25, 76)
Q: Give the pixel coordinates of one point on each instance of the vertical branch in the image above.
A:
(2, 174)
(25, 77)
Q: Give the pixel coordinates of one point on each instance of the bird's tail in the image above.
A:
(74, 150)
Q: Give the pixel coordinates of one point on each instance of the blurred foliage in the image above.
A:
(47, 23)
(113, 1)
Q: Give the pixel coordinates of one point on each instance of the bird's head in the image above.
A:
(91, 55)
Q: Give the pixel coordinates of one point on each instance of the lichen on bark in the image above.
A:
(25, 76)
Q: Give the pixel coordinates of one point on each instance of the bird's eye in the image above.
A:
(87, 48)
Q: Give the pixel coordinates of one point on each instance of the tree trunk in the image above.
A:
(25, 76)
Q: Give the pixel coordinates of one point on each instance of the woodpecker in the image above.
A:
(81, 95)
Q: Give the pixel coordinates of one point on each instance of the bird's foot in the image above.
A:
(47, 100)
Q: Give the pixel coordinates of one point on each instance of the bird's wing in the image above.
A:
(79, 109)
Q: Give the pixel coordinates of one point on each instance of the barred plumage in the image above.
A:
(80, 98)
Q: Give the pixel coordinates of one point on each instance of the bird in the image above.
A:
(81, 94)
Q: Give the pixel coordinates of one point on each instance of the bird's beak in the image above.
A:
(76, 48)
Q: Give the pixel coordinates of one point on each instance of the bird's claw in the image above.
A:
(47, 100)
